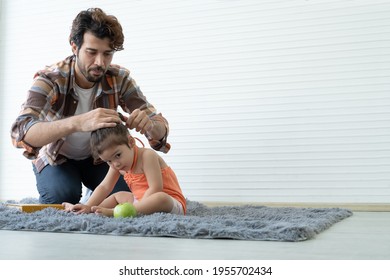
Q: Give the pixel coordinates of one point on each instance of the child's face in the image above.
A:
(118, 157)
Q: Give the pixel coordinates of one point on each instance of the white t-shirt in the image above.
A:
(76, 145)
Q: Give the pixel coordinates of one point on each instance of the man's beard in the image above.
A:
(92, 78)
(86, 73)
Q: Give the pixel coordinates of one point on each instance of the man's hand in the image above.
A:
(97, 118)
(139, 121)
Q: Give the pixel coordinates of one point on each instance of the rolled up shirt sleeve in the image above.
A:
(160, 145)
(134, 99)
(18, 131)
(35, 109)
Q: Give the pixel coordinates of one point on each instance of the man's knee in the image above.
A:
(56, 185)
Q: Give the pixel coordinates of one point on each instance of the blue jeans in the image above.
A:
(63, 183)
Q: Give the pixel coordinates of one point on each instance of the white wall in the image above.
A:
(268, 101)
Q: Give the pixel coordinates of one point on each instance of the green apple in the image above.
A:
(124, 210)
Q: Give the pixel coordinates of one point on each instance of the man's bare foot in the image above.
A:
(108, 212)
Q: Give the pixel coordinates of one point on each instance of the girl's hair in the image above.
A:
(101, 25)
(103, 138)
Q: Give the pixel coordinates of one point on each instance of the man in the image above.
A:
(78, 95)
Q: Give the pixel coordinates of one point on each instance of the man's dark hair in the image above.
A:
(101, 25)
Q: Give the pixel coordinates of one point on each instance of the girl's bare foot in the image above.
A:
(108, 212)
(68, 206)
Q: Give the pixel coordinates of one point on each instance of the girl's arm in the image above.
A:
(98, 195)
(152, 170)
(104, 188)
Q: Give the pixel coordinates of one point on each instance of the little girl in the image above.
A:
(153, 184)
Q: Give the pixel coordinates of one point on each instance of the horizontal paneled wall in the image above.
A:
(268, 101)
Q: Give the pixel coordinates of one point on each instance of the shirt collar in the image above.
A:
(105, 85)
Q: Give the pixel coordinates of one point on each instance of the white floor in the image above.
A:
(364, 236)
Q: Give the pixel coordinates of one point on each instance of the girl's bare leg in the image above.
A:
(157, 202)
(108, 212)
(106, 208)
(117, 198)
(68, 206)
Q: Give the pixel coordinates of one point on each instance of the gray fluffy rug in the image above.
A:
(228, 222)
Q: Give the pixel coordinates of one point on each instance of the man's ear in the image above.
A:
(74, 48)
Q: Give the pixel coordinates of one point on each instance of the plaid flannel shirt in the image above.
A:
(52, 97)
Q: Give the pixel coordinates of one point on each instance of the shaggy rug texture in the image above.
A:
(227, 222)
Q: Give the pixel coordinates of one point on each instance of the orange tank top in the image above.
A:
(138, 183)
